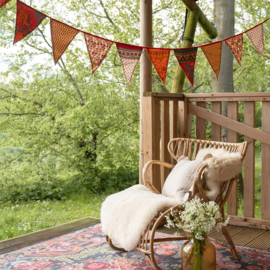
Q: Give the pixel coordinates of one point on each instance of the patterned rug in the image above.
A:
(87, 249)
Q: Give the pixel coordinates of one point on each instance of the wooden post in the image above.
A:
(151, 138)
(146, 68)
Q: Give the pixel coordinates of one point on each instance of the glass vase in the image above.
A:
(198, 255)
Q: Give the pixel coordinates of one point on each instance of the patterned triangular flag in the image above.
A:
(187, 59)
(129, 56)
(256, 37)
(3, 2)
(160, 60)
(97, 49)
(235, 44)
(213, 54)
(28, 19)
(62, 35)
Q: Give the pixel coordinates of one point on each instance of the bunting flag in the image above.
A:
(28, 19)
(129, 56)
(97, 49)
(235, 44)
(160, 60)
(187, 59)
(62, 35)
(3, 2)
(213, 54)
(257, 38)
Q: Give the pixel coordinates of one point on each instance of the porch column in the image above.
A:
(145, 66)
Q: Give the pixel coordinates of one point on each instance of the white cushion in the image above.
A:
(181, 178)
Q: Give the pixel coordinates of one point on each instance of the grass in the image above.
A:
(19, 219)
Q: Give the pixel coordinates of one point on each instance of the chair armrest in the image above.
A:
(146, 170)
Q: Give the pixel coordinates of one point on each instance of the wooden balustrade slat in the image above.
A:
(156, 151)
(265, 188)
(201, 124)
(173, 123)
(165, 138)
(216, 129)
(232, 137)
(249, 163)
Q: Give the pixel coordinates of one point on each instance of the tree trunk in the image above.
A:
(224, 11)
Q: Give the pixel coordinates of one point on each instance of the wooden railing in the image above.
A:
(167, 116)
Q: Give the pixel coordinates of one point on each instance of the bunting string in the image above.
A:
(28, 19)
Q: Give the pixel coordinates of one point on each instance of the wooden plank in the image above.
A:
(230, 124)
(201, 124)
(165, 137)
(35, 237)
(222, 99)
(165, 96)
(249, 163)
(229, 97)
(249, 222)
(233, 138)
(265, 188)
(173, 123)
(216, 129)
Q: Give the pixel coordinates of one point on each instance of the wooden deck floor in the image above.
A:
(242, 236)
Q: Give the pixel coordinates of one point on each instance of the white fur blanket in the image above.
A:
(126, 215)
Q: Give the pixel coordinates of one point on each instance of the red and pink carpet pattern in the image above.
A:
(87, 249)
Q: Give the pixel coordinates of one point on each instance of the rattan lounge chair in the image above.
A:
(187, 147)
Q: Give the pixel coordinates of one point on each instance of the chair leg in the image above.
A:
(109, 241)
(230, 243)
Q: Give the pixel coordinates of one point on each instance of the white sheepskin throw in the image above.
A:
(126, 215)
(222, 166)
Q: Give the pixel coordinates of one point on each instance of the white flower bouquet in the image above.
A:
(196, 218)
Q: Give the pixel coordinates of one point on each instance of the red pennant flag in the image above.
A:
(187, 59)
(213, 54)
(97, 49)
(160, 60)
(3, 2)
(257, 38)
(129, 56)
(28, 19)
(235, 44)
(62, 35)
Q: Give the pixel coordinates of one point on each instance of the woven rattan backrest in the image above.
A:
(190, 147)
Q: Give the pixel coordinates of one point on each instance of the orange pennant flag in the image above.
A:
(213, 54)
(3, 2)
(160, 60)
(235, 44)
(97, 49)
(256, 37)
(62, 35)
